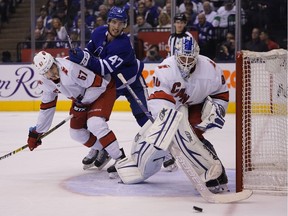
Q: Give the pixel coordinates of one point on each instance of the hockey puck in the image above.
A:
(197, 209)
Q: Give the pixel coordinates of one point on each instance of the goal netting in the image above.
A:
(261, 121)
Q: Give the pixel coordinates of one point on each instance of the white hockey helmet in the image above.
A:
(186, 54)
(43, 61)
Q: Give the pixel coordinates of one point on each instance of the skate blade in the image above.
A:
(113, 175)
(104, 164)
(219, 189)
(87, 166)
(172, 168)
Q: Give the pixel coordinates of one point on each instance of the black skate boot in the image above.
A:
(220, 184)
(170, 163)
(102, 159)
(112, 170)
(89, 159)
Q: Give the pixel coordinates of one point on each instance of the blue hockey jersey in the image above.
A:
(116, 56)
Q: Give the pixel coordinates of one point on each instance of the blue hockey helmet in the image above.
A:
(117, 13)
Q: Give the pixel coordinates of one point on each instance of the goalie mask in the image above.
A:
(186, 54)
(43, 61)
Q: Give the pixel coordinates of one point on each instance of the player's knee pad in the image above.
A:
(83, 136)
(204, 161)
(97, 126)
(79, 135)
(143, 163)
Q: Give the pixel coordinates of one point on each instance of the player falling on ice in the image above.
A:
(93, 98)
(195, 86)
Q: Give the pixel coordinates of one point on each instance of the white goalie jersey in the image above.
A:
(171, 90)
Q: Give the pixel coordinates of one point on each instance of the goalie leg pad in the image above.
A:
(161, 133)
(206, 164)
(142, 164)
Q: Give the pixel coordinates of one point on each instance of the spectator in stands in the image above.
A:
(39, 39)
(140, 10)
(92, 5)
(78, 29)
(210, 14)
(51, 7)
(205, 36)
(190, 14)
(221, 20)
(89, 20)
(180, 22)
(100, 21)
(103, 11)
(182, 6)
(140, 24)
(40, 26)
(226, 50)
(60, 31)
(152, 12)
(153, 55)
(264, 37)
(164, 21)
(255, 44)
(61, 15)
(49, 40)
(6, 57)
(47, 19)
(167, 8)
(109, 3)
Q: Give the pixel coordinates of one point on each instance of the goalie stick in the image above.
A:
(41, 137)
(188, 168)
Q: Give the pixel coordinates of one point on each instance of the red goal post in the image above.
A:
(261, 121)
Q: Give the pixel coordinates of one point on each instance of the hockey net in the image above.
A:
(261, 121)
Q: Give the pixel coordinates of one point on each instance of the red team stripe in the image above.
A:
(97, 81)
(223, 96)
(90, 142)
(44, 106)
(162, 95)
(107, 139)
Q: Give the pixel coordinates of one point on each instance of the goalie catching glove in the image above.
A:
(33, 138)
(212, 115)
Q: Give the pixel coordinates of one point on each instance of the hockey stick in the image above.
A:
(188, 168)
(41, 137)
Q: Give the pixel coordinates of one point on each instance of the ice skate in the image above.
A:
(170, 164)
(112, 170)
(88, 161)
(218, 185)
(102, 159)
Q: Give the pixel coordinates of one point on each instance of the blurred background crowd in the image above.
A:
(263, 23)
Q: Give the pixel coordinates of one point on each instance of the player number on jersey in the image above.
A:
(115, 60)
(82, 75)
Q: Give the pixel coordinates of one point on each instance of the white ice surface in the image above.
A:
(50, 180)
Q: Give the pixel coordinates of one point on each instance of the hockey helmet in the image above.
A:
(181, 17)
(186, 54)
(43, 61)
(117, 13)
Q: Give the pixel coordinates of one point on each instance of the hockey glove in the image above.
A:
(212, 115)
(79, 56)
(33, 138)
(78, 110)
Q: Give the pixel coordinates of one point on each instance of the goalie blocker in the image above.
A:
(154, 141)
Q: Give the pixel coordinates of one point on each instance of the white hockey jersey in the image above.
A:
(171, 90)
(76, 83)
